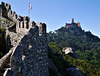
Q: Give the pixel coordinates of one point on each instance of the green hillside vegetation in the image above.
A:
(85, 44)
(86, 68)
(75, 37)
(3, 50)
(4, 47)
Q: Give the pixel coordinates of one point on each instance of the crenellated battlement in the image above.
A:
(28, 43)
(23, 23)
(7, 6)
(26, 18)
(11, 14)
(42, 28)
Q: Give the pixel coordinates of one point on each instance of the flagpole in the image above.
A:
(28, 8)
(28, 13)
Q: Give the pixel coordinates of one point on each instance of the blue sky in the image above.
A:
(55, 13)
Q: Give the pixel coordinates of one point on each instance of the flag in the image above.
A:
(30, 7)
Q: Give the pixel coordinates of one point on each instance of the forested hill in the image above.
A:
(85, 44)
(76, 38)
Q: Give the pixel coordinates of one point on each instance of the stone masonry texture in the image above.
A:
(29, 42)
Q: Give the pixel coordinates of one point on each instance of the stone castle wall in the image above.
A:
(29, 40)
(31, 56)
(22, 23)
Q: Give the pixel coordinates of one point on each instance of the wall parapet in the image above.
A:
(29, 41)
(5, 59)
(23, 24)
(31, 52)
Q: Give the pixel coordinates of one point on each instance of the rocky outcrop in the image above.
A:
(70, 51)
(53, 67)
(73, 72)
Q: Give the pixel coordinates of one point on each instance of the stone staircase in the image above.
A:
(12, 28)
(5, 62)
(5, 67)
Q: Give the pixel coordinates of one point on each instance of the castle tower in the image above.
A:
(72, 21)
(42, 28)
(72, 24)
(78, 24)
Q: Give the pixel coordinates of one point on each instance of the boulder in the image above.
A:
(73, 72)
(70, 51)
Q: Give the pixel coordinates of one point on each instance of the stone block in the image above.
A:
(10, 15)
(42, 28)
(20, 18)
(26, 26)
(26, 18)
(9, 72)
(22, 24)
(32, 24)
(7, 6)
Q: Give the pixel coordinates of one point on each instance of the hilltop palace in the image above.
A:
(72, 24)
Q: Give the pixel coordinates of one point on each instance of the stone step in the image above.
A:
(2, 70)
(1, 73)
(7, 65)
